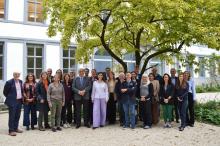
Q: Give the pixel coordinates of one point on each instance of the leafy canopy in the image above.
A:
(148, 28)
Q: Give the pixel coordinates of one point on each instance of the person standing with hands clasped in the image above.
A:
(99, 99)
(146, 94)
(81, 87)
(56, 99)
(166, 99)
(182, 90)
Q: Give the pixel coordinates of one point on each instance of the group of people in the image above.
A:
(100, 96)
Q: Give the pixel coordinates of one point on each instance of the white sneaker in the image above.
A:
(65, 126)
(169, 125)
(146, 127)
(165, 125)
(68, 125)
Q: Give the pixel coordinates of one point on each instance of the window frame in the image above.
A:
(3, 60)
(5, 6)
(69, 58)
(34, 56)
(26, 11)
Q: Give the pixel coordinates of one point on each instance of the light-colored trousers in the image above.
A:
(99, 112)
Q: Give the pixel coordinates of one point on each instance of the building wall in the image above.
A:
(16, 32)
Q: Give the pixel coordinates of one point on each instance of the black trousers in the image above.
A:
(79, 104)
(190, 115)
(140, 109)
(146, 112)
(66, 115)
(111, 109)
(14, 116)
(74, 112)
(90, 111)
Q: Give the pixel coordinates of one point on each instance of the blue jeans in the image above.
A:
(30, 109)
(129, 110)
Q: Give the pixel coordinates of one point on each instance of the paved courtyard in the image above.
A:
(200, 135)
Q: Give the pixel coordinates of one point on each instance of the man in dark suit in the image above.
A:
(14, 98)
(81, 87)
(174, 79)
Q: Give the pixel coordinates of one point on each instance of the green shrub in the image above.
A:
(208, 112)
(207, 88)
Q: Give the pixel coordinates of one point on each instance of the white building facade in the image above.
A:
(25, 46)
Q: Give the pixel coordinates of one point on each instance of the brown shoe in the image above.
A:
(19, 131)
(12, 134)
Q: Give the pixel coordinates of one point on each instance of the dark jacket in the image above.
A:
(182, 93)
(118, 90)
(129, 95)
(10, 92)
(76, 87)
(68, 91)
(41, 91)
(164, 94)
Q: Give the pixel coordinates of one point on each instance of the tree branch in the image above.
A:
(151, 67)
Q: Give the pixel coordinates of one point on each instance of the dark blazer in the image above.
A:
(10, 92)
(182, 93)
(164, 94)
(41, 91)
(130, 94)
(76, 87)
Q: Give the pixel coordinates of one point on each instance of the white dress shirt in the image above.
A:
(100, 90)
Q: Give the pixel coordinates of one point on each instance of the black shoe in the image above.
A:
(181, 129)
(58, 128)
(77, 126)
(94, 128)
(32, 128)
(87, 125)
(101, 126)
(47, 127)
(54, 130)
(27, 128)
(177, 121)
(191, 125)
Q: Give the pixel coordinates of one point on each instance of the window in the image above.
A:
(1, 60)
(201, 67)
(102, 59)
(35, 11)
(35, 59)
(69, 62)
(2, 8)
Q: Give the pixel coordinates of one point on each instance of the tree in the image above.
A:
(147, 28)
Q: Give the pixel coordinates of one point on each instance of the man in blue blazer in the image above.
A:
(14, 98)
